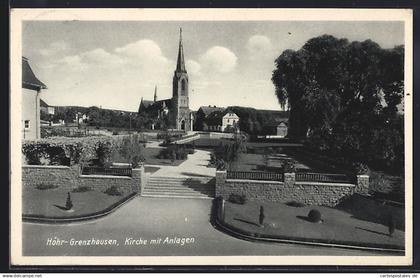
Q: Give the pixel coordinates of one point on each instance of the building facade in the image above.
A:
(31, 112)
(230, 121)
(177, 109)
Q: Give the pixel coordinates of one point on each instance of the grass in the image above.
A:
(291, 222)
(47, 203)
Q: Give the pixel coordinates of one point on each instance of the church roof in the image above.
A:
(207, 110)
(180, 63)
(29, 80)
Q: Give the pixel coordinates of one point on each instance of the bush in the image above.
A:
(295, 204)
(131, 149)
(314, 216)
(173, 152)
(360, 168)
(237, 199)
(289, 166)
(82, 189)
(61, 150)
(113, 191)
(103, 151)
(43, 186)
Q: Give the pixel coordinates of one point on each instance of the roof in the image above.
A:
(43, 103)
(215, 118)
(29, 80)
(207, 110)
(230, 112)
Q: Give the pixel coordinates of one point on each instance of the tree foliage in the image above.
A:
(344, 98)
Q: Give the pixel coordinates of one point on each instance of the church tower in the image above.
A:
(180, 95)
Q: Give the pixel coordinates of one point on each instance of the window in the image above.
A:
(183, 86)
(27, 124)
(228, 120)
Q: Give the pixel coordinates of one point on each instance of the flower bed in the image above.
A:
(51, 203)
(290, 222)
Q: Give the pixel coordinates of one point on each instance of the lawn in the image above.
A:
(150, 154)
(47, 203)
(290, 222)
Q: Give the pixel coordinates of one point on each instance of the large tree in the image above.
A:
(343, 96)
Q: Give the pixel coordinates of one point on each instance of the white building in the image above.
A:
(230, 119)
(31, 112)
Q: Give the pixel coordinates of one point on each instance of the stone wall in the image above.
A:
(311, 193)
(70, 178)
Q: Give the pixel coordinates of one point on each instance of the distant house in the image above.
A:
(202, 118)
(45, 108)
(31, 89)
(230, 121)
(282, 129)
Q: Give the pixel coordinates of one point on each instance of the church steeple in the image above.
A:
(180, 65)
(155, 96)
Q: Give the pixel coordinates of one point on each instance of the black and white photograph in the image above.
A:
(211, 137)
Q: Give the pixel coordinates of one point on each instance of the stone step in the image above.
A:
(172, 193)
(179, 188)
(177, 196)
(180, 184)
(175, 180)
(179, 192)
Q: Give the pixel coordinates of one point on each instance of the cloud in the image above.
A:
(54, 48)
(259, 44)
(145, 51)
(219, 59)
(101, 57)
(193, 67)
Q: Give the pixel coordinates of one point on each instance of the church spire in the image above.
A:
(180, 65)
(155, 96)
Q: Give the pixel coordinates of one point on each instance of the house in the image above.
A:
(31, 112)
(282, 129)
(176, 109)
(45, 108)
(220, 120)
(230, 121)
(201, 119)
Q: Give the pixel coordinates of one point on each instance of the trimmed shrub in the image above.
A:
(113, 191)
(43, 186)
(82, 189)
(262, 216)
(69, 203)
(314, 216)
(237, 199)
(391, 224)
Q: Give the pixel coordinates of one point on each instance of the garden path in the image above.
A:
(194, 166)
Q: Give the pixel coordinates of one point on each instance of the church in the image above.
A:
(175, 111)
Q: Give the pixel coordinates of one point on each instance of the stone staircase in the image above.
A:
(180, 187)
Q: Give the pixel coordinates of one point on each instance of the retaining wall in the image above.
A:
(70, 178)
(310, 193)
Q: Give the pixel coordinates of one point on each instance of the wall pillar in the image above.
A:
(289, 179)
(139, 179)
(362, 184)
(220, 182)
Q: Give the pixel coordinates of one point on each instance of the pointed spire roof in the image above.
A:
(180, 65)
(155, 95)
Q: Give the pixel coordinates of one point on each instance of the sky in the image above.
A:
(113, 64)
